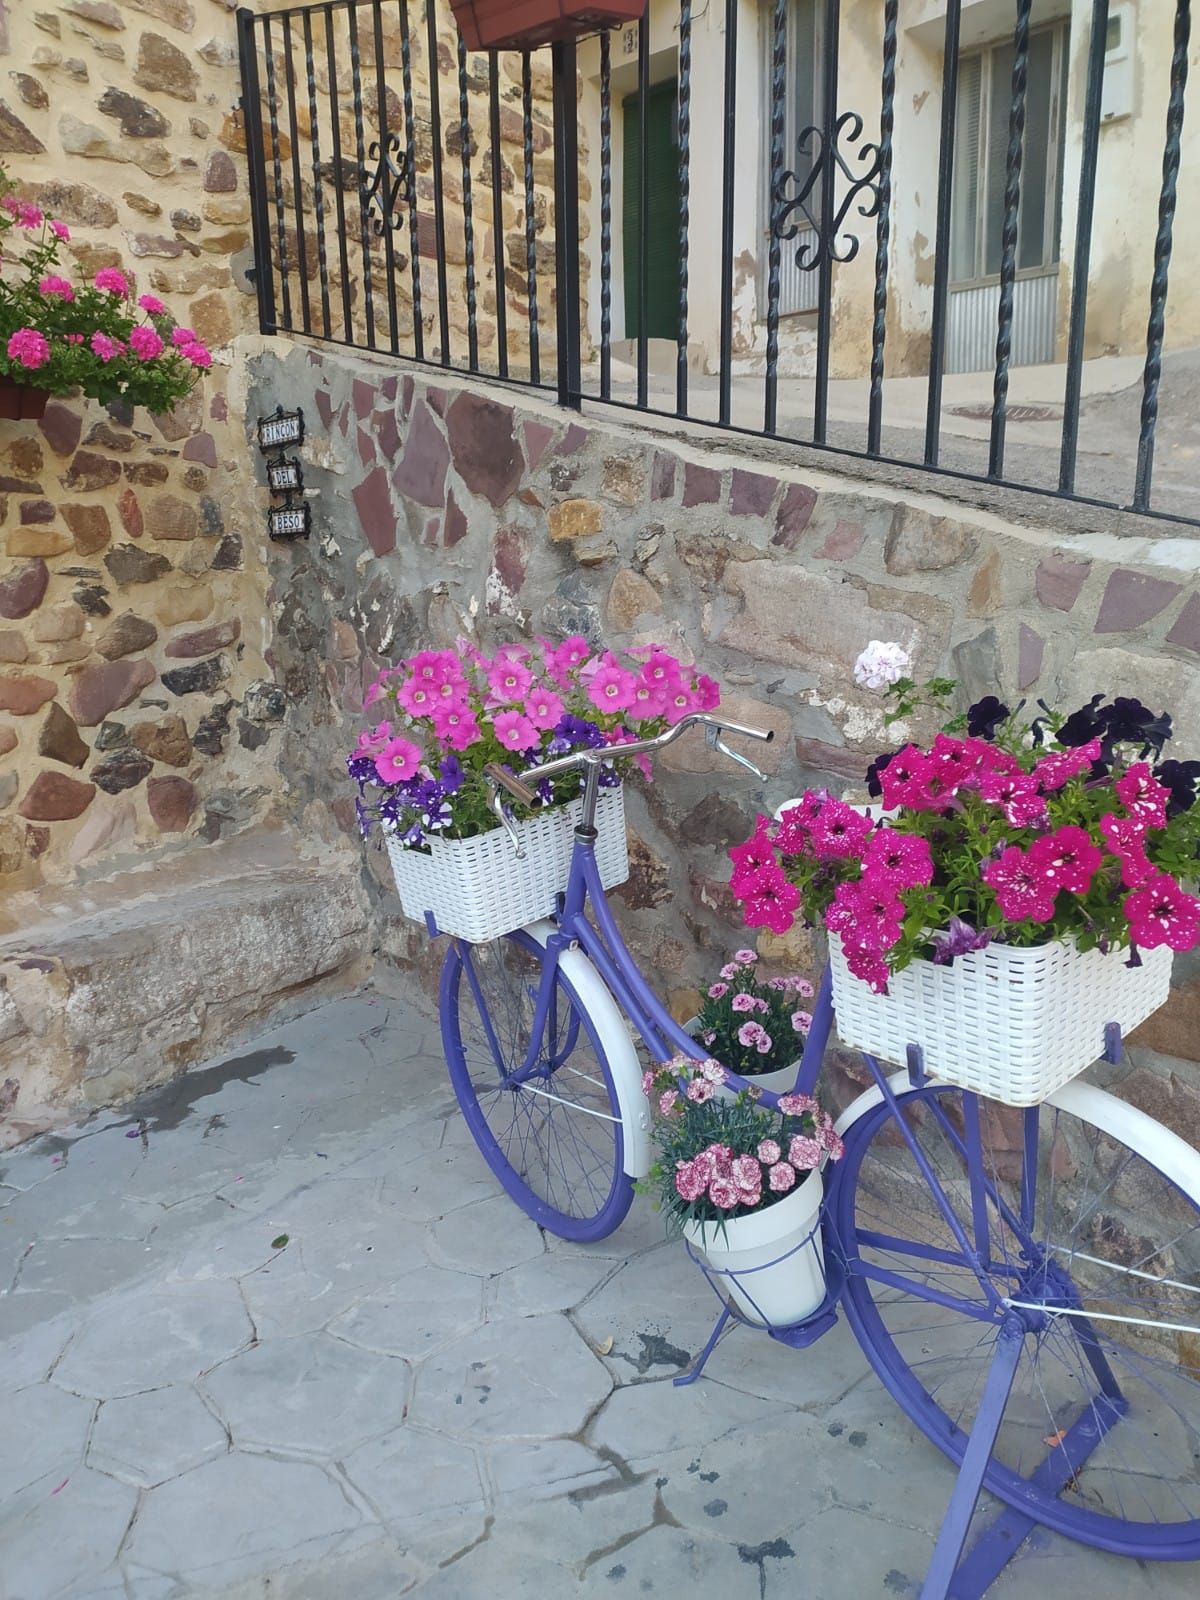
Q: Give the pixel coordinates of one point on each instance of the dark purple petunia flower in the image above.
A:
(1181, 778)
(985, 716)
(959, 939)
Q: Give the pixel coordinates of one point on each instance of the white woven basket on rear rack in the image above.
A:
(478, 889)
(1011, 1024)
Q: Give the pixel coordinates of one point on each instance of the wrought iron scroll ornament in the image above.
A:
(786, 224)
(390, 188)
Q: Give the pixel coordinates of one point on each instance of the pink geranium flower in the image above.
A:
(106, 348)
(153, 305)
(60, 230)
(1159, 913)
(514, 730)
(181, 336)
(30, 216)
(56, 288)
(29, 348)
(398, 761)
(113, 281)
(197, 355)
(145, 343)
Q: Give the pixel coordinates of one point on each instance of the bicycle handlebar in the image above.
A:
(520, 787)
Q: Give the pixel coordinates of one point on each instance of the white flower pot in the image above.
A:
(770, 1263)
(1011, 1024)
(780, 1081)
(479, 889)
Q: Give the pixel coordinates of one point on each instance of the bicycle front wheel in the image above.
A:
(551, 1134)
(1086, 1214)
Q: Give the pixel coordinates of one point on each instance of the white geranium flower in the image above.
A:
(881, 664)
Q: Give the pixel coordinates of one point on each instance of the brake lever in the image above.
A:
(506, 822)
(713, 739)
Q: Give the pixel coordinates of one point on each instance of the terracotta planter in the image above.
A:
(525, 24)
(21, 402)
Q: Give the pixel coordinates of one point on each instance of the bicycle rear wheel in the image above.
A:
(1089, 1216)
(553, 1137)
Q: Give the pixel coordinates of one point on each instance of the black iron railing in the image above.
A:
(415, 199)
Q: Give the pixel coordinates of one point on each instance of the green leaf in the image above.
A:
(279, 1242)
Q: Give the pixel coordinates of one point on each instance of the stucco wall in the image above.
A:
(441, 510)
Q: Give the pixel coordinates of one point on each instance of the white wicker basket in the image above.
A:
(1011, 1024)
(478, 889)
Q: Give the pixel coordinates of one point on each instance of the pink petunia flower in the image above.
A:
(398, 761)
(749, 859)
(508, 680)
(1060, 766)
(1159, 912)
(1126, 838)
(681, 702)
(153, 305)
(771, 901)
(543, 708)
(611, 688)
(1140, 792)
(56, 288)
(1067, 857)
(114, 281)
(707, 693)
(1017, 794)
(903, 858)
(29, 348)
(514, 730)
(145, 343)
(456, 726)
(1022, 889)
(371, 742)
(416, 697)
(567, 658)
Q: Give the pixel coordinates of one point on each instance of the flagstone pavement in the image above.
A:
(274, 1331)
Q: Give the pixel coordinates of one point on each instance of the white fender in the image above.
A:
(1172, 1156)
(623, 1062)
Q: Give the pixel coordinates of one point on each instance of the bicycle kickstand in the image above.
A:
(939, 1580)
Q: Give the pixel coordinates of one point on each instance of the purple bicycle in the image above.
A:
(1024, 1282)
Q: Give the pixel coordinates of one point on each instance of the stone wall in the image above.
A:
(440, 510)
(135, 705)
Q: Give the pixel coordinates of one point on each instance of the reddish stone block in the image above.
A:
(456, 522)
(1186, 630)
(61, 427)
(794, 515)
(538, 437)
(130, 513)
(388, 434)
(1031, 647)
(24, 590)
(55, 797)
(99, 691)
(1132, 599)
(701, 485)
(751, 494)
(420, 474)
(23, 695)
(832, 758)
(483, 447)
(364, 398)
(171, 801)
(376, 514)
(366, 447)
(843, 541)
(201, 447)
(324, 408)
(205, 641)
(662, 477)
(1059, 580)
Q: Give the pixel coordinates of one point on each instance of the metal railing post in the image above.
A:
(264, 286)
(566, 221)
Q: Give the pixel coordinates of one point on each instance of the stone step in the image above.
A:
(109, 987)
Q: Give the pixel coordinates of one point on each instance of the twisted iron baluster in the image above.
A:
(605, 217)
(535, 369)
(318, 196)
(384, 225)
(1008, 237)
(498, 250)
(775, 249)
(464, 122)
(685, 200)
(297, 187)
(410, 163)
(887, 123)
(338, 195)
(361, 154)
(277, 169)
(1162, 257)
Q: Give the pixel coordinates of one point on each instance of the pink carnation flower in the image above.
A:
(804, 1153)
(802, 1021)
(699, 1090)
(743, 1002)
(769, 1152)
(54, 287)
(113, 280)
(781, 1178)
(667, 1101)
(745, 958)
(723, 1193)
(713, 1071)
(747, 1174)
(795, 1105)
(718, 990)
(689, 1181)
(29, 348)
